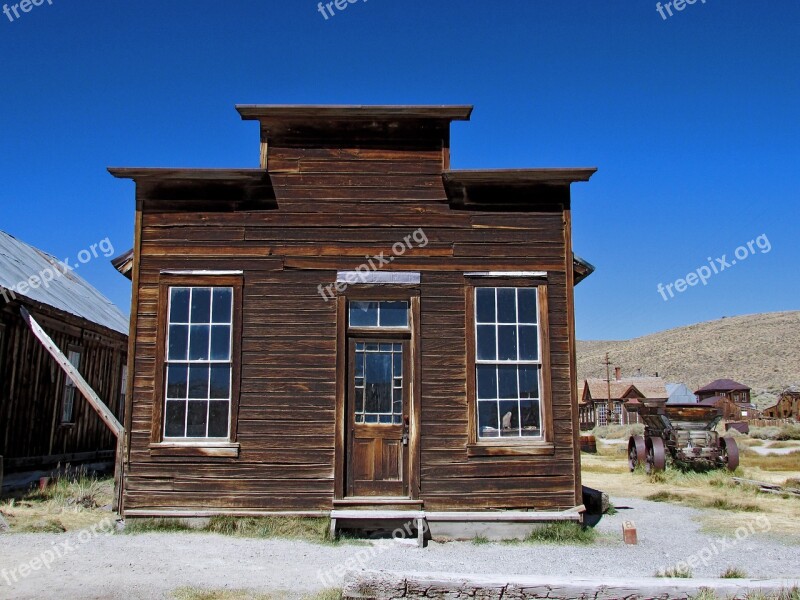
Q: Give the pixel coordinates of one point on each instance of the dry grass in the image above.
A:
(733, 573)
(726, 505)
(783, 433)
(617, 432)
(310, 530)
(73, 501)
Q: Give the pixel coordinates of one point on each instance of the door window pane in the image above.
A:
(379, 314)
(378, 384)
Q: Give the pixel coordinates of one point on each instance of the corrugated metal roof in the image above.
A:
(66, 292)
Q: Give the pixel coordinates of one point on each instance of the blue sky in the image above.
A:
(692, 122)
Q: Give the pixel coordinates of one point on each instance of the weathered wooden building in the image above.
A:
(732, 397)
(787, 406)
(44, 420)
(353, 325)
(596, 411)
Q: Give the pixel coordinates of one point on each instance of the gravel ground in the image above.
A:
(154, 565)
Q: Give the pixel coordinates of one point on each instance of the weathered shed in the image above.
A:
(353, 325)
(44, 420)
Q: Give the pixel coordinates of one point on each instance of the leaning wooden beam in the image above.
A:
(94, 400)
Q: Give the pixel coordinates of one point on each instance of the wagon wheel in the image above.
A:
(656, 456)
(637, 453)
(730, 453)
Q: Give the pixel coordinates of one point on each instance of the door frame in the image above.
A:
(377, 293)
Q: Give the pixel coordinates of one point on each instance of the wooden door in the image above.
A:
(378, 417)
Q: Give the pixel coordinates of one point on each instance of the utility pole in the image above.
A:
(610, 407)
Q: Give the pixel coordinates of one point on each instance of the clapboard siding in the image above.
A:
(288, 386)
(32, 384)
(337, 202)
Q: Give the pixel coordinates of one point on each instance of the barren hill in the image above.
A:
(762, 351)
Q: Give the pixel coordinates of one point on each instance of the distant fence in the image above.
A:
(771, 422)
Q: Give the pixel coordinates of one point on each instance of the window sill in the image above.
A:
(211, 449)
(511, 449)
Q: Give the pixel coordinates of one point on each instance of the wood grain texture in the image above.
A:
(337, 204)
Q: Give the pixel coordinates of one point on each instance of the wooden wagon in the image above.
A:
(687, 432)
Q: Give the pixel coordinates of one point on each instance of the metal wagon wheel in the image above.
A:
(730, 453)
(656, 455)
(637, 453)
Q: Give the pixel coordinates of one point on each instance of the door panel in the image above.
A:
(377, 417)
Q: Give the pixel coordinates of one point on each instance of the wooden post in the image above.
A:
(610, 407)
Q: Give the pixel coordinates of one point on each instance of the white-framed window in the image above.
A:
(602, 415)
(198, 363)
(508, 362)
(70, 391)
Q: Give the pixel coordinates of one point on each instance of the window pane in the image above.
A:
(379, 383)
(528, 342)
(359, 400)
(221, 342)
(487, 419)
(178, 342)
(175, 419)
(363, 314)
(179, 305)
(507, 342)
(509, 418)
(527, 305)
(177, 379)
(398, 364)
(196, 419)
(487, 348)
(223, 303)
(360, 362)
(529, 381)
(531, 419)
(218, 419)
(484, 305)
(394, 314)
(487, 381)
(220, 382)
(198, 381)
(198, 342)
(508, 381)
(506, 305)
(201, 305)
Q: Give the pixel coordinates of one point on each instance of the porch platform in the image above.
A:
(450, 523)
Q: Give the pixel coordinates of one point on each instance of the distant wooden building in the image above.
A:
(352, 325)
(44, 420)
(787, 406)
(594, 401)
(730, 396)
